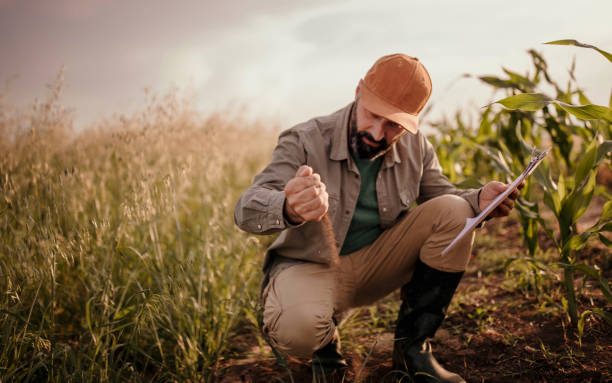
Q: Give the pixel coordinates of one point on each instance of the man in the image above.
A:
(340, 190)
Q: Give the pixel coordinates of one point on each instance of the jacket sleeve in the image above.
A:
(260, 208)
(434, 183)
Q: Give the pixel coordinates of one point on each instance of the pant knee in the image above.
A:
(453, 211)
(302, 329)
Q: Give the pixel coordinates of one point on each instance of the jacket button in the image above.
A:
(278, 222)
(259, 227)
(384, 209)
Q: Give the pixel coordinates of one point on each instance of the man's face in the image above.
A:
(371, 135)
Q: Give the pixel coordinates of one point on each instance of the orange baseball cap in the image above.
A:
(397, 88)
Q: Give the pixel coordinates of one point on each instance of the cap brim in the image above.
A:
(376, 105)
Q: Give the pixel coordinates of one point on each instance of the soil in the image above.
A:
(497, 330)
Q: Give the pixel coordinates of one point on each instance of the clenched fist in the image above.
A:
(305, 197)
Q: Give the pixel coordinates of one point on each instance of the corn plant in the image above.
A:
(569, 196)
(579, 134)
(460, 160)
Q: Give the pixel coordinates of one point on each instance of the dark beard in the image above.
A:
(360, 148)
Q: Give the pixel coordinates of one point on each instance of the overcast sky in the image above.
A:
(284, 60)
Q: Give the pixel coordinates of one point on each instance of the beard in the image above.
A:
(361, 149)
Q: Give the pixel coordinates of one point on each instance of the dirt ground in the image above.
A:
(498, 329)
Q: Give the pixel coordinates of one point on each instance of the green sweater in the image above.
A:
(365, 224)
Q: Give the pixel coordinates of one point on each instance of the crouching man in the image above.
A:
(340, 189)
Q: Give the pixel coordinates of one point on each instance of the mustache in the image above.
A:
(381, 143)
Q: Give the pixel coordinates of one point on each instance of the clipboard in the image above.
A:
(472, 223)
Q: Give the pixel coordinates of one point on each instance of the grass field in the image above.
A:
(120, 261)
(119, 258)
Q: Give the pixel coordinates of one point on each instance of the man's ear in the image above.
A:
(357, 89)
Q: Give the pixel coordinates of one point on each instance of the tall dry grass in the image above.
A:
(119, 259)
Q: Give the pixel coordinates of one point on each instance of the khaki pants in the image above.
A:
(304, 302)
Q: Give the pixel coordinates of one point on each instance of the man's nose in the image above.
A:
(377, 129)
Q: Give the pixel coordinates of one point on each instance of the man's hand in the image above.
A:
(492, 190)
(305, 197)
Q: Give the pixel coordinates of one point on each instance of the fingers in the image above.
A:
(503, 209)
(309, 194)
(300, 183)
(514, 195)
(310, 204)
(497, 187)
(306, 196)
(494, 188)
(313, 210)
(508, 204)
(303, 171)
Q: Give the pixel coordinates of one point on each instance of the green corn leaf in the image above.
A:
(468, 183)
(525, 212)
(583, 98)
(580, 324)
(581, 197)
(518, 79)
(586, 163)
(565, 96)
(593, 272)
(597, 275)
(576, 242)
(561, 187)
(587, 112)
(604, 240)
(605, 148)
(526, 202)
(552, 198)
(552, 201)
(484, 131)
(527, 102)
(565, 228)
(542, 175)
(499, 161)
(496, 82)
(582, 45)
(524, 144)
(606, 212)
(606, 316)
(544, 224)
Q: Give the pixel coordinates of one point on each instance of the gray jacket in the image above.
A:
(410, 173)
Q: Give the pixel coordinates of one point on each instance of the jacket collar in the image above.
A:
(339, 139)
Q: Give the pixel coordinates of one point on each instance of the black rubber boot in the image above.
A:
(424, 302)
(329, 359)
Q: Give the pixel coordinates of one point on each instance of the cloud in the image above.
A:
(282, 58)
